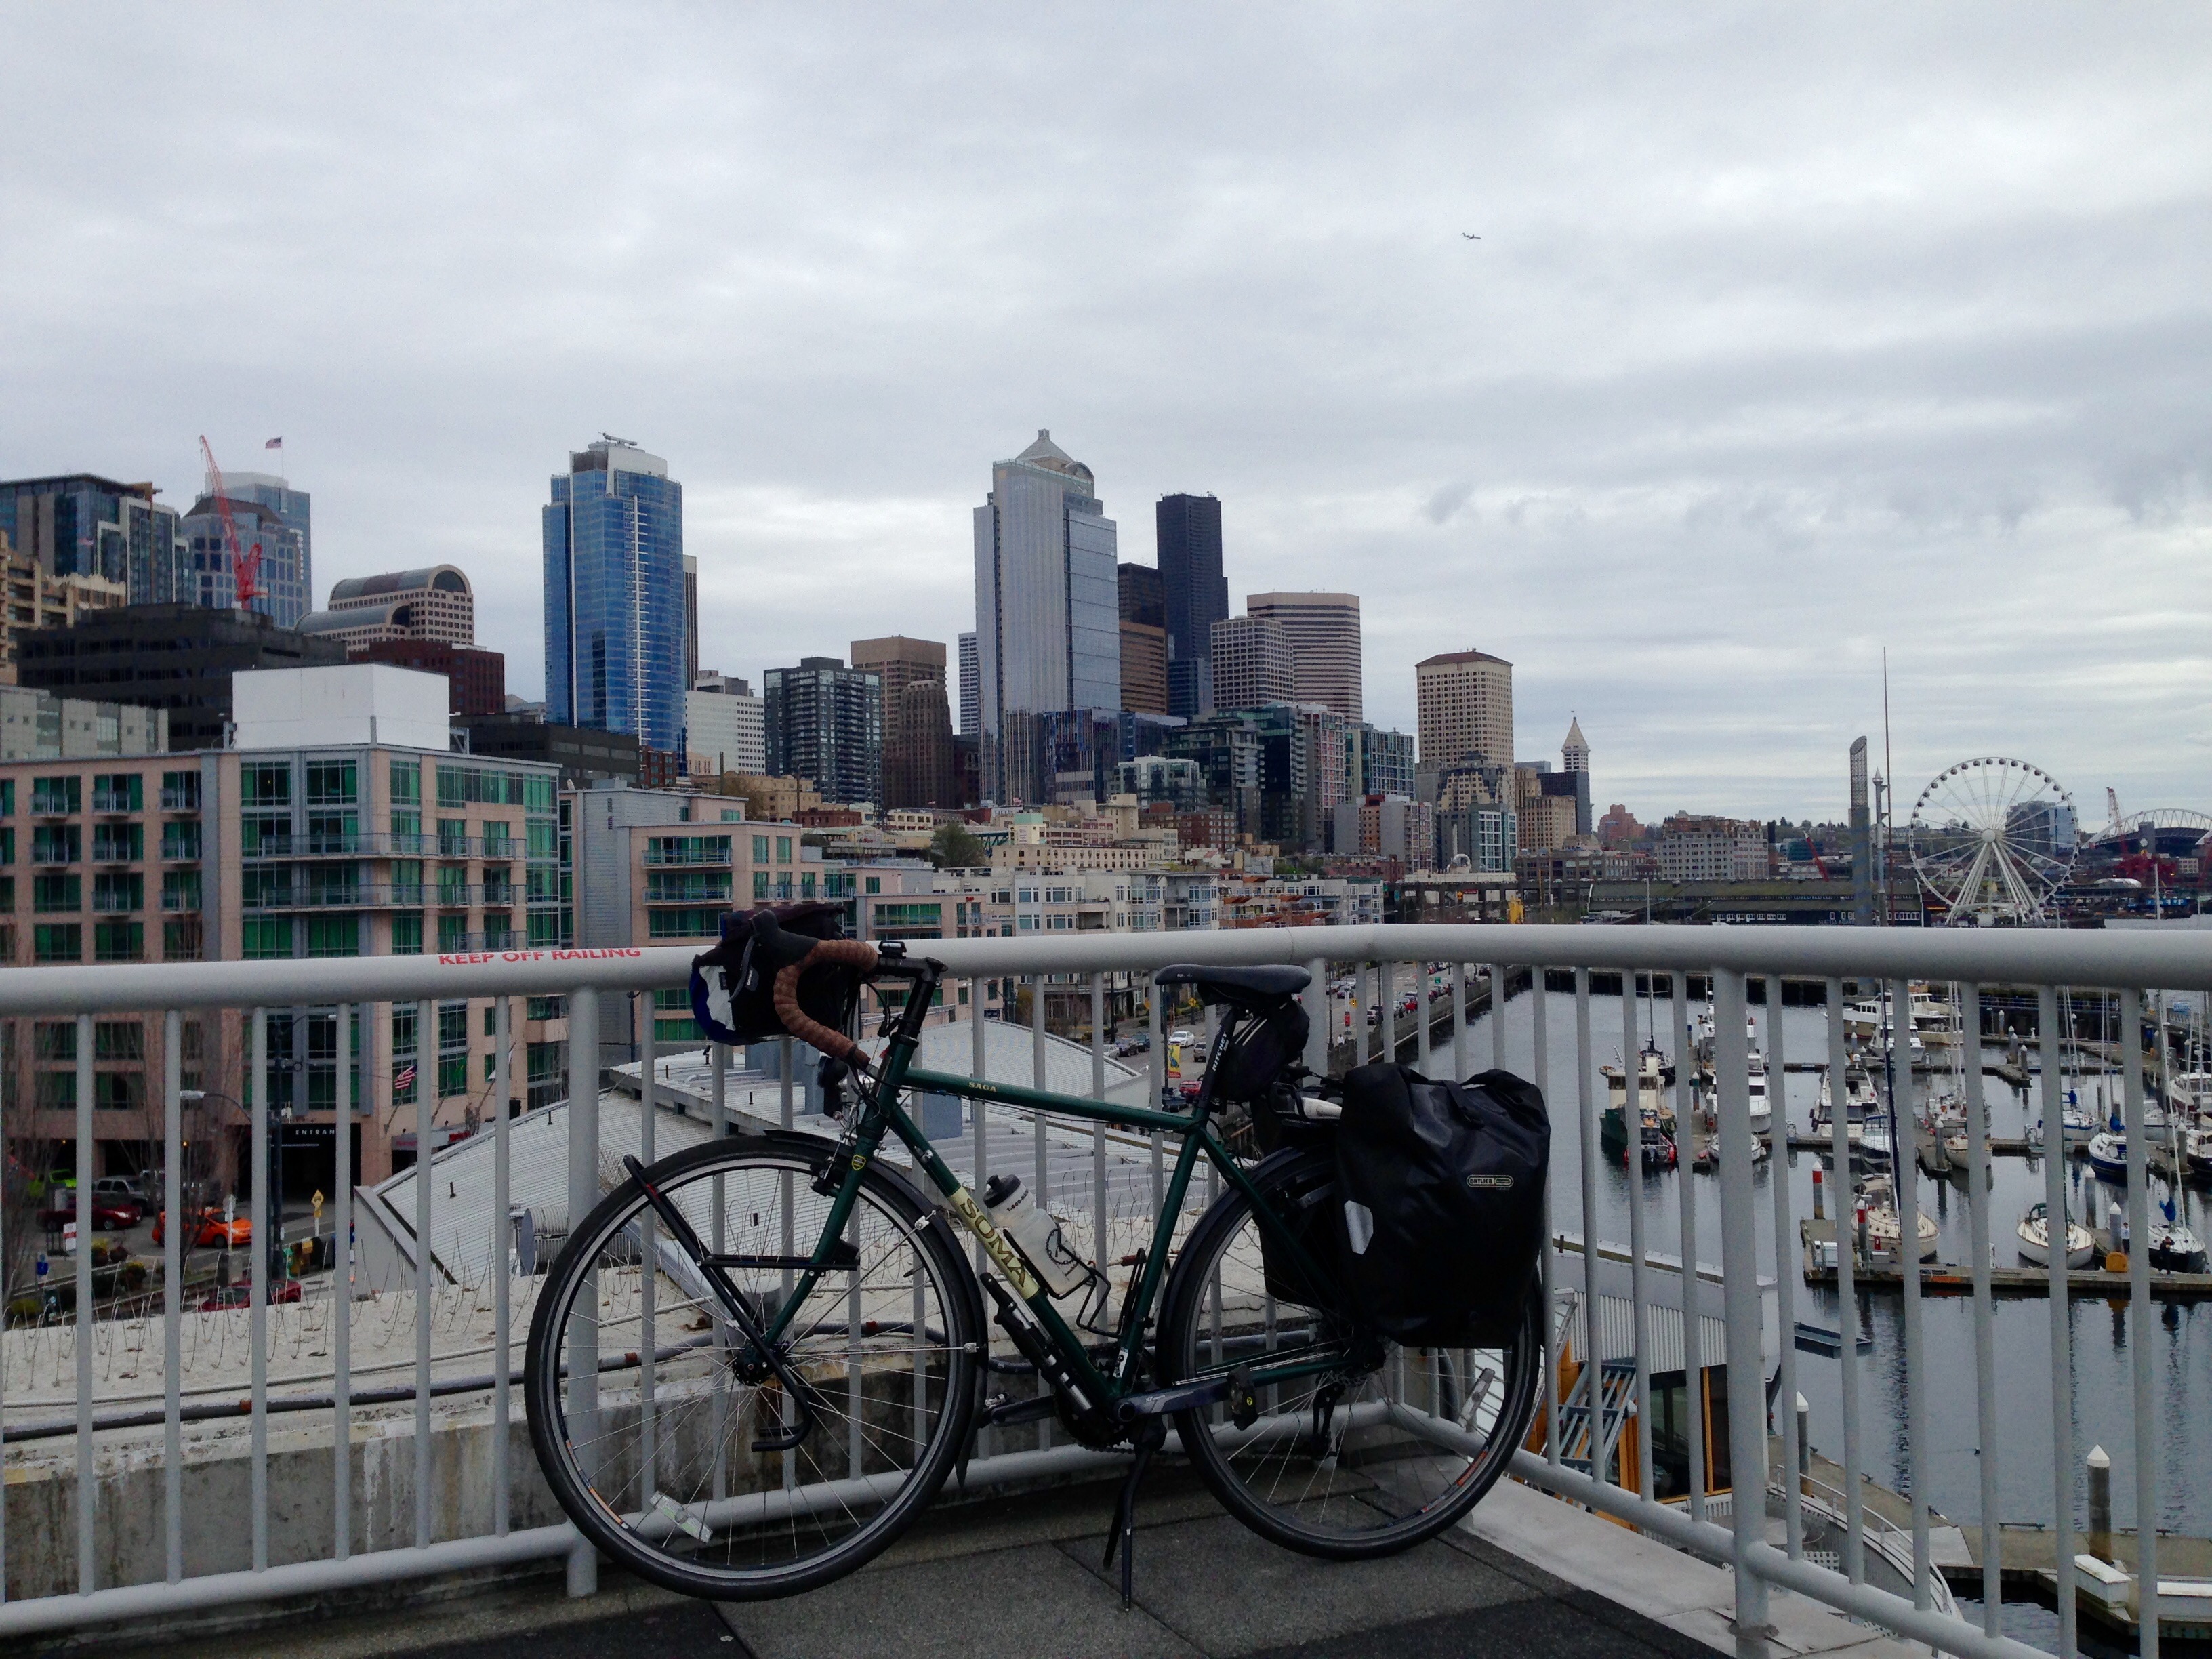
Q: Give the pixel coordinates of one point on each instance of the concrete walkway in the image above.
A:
(1528, 1578)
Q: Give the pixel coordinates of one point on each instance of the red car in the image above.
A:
(108, 1211)
(209, 1230)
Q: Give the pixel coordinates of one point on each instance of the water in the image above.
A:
(2103, 1383)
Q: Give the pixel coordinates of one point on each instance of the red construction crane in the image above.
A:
(245, 566)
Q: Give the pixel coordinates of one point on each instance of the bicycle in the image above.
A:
(756, 1362)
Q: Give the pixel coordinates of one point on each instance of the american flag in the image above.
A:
(403, 1077)
(274, 443)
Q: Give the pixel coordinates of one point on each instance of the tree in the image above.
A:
(953, 846)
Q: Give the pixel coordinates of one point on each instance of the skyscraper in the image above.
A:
(1251, 661)
(1323, 631)
(825, 721)
(1144, 640)
(213, 580)
(971, 689)
(82, 525)
(1187, 529)
(1048, 609)
(288, 577)
(614, 595)
(917, 723)
(1574, 760)
(1465, 701)
(690, 623)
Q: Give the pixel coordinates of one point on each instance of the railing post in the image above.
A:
(1847, 1296)
(2142, 1327)
(1786, 1246)
(1317, 1013)
(1686, 1191)
(429, 1045)
(341, 1294)
(173, 1295)
(583, 1337)
(1747, 1383)
(87, 1489)
(263, 1217)
(2062, 1337)
(1904, 1164)
(1586, 1123)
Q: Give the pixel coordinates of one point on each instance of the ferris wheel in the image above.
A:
(1993, 838)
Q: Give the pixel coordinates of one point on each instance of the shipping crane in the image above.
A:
(245, 566)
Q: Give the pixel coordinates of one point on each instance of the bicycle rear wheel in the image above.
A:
(1381, 1446)
(649, 1413)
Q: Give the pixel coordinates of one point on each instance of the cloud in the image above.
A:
(1790, 335)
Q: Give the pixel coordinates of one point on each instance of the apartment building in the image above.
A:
(1698, 849)
(37, 599)
(1300, 901)
(340, 825)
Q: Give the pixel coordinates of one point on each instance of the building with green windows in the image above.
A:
(340, 824)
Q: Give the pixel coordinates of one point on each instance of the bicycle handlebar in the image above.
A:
(853, 953)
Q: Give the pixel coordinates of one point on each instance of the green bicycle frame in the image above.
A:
(880, 1113)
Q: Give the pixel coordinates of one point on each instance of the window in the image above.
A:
(264, 937)
(406, 881)
(498, 887)
(333, 936)
(545, 930)
(182, 941)
(687, 886)
(403, 1028)
(54, 843)
(52, 893)
(332, 832)
(406, 831)
(407, 783)
(54, 1039)
(180, 890)
(453, 884)
(546, 1008)
(7, 846)
(497, 840)
(407, 936)
(542, 884)
(332, 783)
(7, 893)
(265, 890)
(118, 891)
(118, 1039)
(452, 1075)
(118, 792)
(7, 798)
(760, 884)
(683, 924)
(452, 1025)
(459, 785)
(265, 783)
(544, 1061)
(453, 932)
(760, 849)
(806, 885)
(268, 836)
(181, 792)
(180, 840)
(119, 843)
(544, 838)
(118, 941)
(452, 838)
(875, 884)
(537, 793)
(58, 1091)
(783, 849)
(57, 795)
(118, 1091)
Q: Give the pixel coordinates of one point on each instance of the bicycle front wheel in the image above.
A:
(1364, 1447)
(681, 1455)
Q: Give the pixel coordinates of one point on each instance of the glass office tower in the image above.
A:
(614, 595)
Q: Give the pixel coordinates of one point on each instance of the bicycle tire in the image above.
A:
(736, 1522)
(1371, 1487)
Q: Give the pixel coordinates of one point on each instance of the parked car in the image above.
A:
(209, 1231)
(108, 1210)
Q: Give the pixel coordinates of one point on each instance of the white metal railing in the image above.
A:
(1479, 957)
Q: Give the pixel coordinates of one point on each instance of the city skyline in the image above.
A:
(1750, 398)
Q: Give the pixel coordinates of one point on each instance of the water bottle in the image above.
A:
(1036, 1233)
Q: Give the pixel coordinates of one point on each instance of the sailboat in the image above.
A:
(2174, 1249)
(1885, 1226)
(2035, 1239)
(2196, 1149)
(2108, 1156)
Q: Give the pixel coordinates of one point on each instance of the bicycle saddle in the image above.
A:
(1255, 989)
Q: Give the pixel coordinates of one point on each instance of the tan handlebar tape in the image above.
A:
(853, 952)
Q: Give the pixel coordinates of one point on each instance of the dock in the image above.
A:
(1947, 1279)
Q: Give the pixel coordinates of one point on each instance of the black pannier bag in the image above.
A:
(1441, 1191)
(733, 985)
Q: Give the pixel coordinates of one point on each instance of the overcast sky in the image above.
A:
(1792, 332)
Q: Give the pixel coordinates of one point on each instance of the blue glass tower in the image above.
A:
(614, 595)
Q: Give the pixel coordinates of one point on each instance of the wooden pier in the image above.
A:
(1947, 1279)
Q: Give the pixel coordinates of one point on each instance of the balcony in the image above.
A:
(1630, 1319)
(659, 858)
(381, 844)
